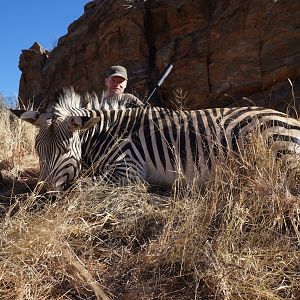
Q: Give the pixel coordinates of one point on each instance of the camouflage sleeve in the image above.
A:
(132, 101)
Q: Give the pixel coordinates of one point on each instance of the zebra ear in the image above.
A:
(28, 116)
(83, 123)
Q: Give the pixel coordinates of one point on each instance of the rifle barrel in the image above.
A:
(161, 80)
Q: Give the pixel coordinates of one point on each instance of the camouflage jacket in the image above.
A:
(123, 100)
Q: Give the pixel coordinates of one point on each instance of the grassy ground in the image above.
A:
(236, 238)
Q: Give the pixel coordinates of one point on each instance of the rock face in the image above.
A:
(31, 64)
(224, 52)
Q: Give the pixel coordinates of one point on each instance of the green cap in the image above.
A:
(115, 71)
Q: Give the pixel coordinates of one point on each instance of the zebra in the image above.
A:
(151, 144)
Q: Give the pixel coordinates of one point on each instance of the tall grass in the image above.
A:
(236, 238)
(16, 143)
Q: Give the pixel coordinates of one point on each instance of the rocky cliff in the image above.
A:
(225, 52)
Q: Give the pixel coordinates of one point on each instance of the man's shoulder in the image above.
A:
(131, 99)
(128, 96)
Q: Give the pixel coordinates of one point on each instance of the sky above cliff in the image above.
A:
(23, 22)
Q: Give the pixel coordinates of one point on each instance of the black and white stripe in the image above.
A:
(157, 145)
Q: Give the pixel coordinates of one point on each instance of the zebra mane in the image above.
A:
(67, 102)
(70, 102)
(106, 102)
(114, 102)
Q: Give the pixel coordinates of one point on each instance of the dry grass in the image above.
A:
(238, 238)
(16, 144)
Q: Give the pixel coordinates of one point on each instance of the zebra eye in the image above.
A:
(76, 123)
(66, 148)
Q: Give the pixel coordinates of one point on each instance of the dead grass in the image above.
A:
(16, 144)
(238, 238)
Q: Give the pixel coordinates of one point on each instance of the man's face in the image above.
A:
(115, 85)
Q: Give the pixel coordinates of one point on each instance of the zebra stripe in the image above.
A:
(154, 144)
(161, 142)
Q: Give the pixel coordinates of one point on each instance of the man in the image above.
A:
(116, 81)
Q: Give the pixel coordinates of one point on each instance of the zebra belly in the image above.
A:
(183, 174)
(156, 176)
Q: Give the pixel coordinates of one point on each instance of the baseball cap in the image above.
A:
(115, 71)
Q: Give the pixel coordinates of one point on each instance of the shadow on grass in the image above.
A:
(12, 188)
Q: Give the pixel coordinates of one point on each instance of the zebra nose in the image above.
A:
(67, 186)
(52, 188)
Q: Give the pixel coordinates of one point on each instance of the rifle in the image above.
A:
(160, 81)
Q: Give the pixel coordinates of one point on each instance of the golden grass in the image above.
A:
(16, 143)
(237, 238)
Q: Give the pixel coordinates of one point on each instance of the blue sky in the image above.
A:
(23, 22)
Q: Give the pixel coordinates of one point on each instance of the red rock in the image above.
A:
(222, 51)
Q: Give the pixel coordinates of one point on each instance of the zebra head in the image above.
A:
(58, 145)
(58, 142)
